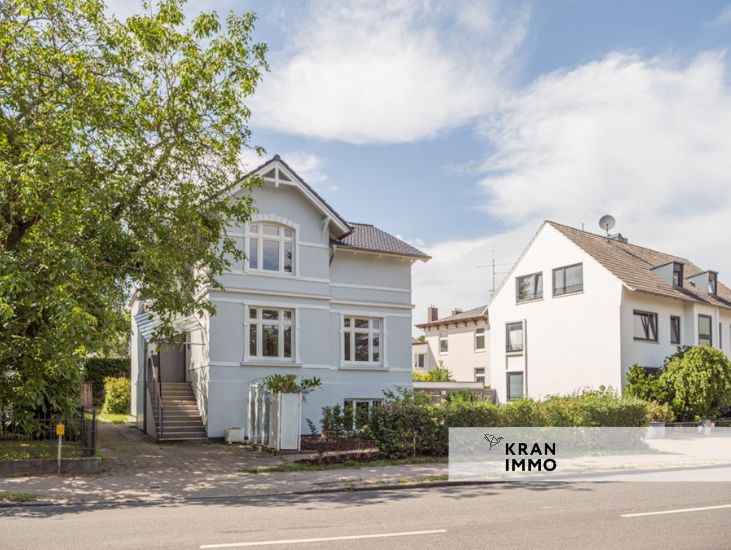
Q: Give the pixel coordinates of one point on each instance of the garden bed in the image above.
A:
(348, 443)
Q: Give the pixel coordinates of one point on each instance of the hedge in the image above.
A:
(96, 369)
(117, 395)
(403, 426)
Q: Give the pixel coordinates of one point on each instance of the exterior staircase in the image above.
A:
(181, 420)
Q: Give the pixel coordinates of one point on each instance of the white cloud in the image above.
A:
(389, 70)
(644, 140)
(310, 168)
(722, 19)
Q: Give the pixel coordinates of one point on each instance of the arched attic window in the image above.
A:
(270, 247)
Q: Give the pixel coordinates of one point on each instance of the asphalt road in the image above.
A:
(582, 515)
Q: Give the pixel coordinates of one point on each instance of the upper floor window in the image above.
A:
(362, 340)
(677, 275)
(480, 339)
(712, 283)
(705, 330)
(674, 329)
(271, 248)
(529, 287)
(645, 326)
(568, 279)
(420, 360)
(270, 332)
(514, 337)
(443, 343)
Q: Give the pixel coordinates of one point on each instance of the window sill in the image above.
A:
(362, 366)
(568, 294)
(481, 350)
(645, 340)
(514, 353)
(258, 362)
(519, 302)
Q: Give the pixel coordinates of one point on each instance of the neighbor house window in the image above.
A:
(357, 412)
(362, 339)
(270, 332)
(480, 375)
(514, 337)
(645, 326)
(567, 280)
(712, 283)
(705, 332)
(677, 275)
(515, 386)
(674, 329)
(271, 248)
(443, 343)
(529, 287)
(479, 339)
(420, 360)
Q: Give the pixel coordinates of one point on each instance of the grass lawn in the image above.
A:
(14, 496)
(114, 418)
(294, 467)
(13, 450)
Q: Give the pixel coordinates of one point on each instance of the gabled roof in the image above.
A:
(344, 227)
(633, 265)
(474, 314)
(370, 238)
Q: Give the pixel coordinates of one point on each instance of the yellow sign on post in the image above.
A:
(60, 429)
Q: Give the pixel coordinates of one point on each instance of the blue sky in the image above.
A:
(461, 125)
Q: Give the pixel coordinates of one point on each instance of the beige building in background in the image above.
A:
(460, 342)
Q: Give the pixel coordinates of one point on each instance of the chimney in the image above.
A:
(456, 310)
(432, 314)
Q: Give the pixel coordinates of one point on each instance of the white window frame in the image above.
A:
(444, 337)
(484, 338)
(520, 351)
(370, 330)
(507, 385)
(481, 375)
(281, 324)
(255, 230)
(417, 357)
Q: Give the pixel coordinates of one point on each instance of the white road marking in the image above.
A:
(679, 511)
(322, 539)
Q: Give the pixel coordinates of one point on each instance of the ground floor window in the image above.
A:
(515, 386)
(705, 336)
(270, 332)
(480, 375)
(357, 412)
(420, 360)
(674, 329)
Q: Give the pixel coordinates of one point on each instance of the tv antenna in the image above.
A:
(606, 222)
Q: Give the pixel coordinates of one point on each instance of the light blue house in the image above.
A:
(316, 296)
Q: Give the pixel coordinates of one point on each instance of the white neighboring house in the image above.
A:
(461, 342)
(579, 309)
(419, 352)
(316, 296)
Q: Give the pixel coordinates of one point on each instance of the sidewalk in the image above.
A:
(139, 469)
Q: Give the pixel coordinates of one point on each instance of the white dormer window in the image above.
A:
(270, 248)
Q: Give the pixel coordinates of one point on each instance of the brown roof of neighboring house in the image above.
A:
(632, 265)
(474, 314)
(370, 238)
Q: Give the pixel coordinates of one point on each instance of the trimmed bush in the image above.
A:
(117, 395)
(97, 369)
(402, 426)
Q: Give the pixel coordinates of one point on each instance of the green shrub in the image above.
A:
(659, 412)
(96, 369)
(645, 385)
(288, 383)
(699, 380)
(439, 374)
(117, 395)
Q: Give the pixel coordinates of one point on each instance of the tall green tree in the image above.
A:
(119, 150)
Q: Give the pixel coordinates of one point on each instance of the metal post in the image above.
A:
(58, 459)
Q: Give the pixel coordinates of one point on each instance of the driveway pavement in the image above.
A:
(138, 468)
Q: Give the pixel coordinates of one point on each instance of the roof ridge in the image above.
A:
(615, 241)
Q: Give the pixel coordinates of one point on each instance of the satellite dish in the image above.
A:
(606, 222)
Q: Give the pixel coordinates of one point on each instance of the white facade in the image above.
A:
(461, 345)
(587, 337)
(332, 297)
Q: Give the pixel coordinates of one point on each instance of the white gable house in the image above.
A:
(579, 309)
(316, 296)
